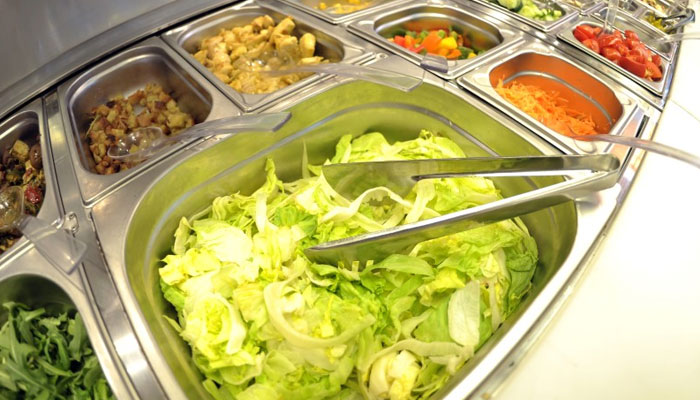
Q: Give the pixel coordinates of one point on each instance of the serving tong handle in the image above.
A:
(401, 239)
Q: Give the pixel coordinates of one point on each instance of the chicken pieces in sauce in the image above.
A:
(238, 55)
(151, 106)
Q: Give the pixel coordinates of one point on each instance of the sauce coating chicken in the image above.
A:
(238, 55)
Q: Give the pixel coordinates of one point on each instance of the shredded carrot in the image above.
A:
(547, 107)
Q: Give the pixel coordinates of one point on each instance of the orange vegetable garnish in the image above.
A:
(547, 107)
(432, 42)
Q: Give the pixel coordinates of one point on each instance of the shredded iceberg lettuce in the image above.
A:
(265, 323)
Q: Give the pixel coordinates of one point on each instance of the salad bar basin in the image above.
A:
(646, 34)
(342, 11)
(656, 87)
(187, 38)
(28, 127)
(613, 111)
(565, 12)
(130, 215)
(236, 165)
(151, 61)
(486, 34)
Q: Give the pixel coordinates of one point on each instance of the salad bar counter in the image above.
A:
(196, 280)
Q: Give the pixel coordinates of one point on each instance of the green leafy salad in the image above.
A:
(48, 357)
(265, 323)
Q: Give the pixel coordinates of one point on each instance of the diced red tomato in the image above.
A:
(587, 30)
(622, 49)
(611, 53)
(597, 30)
(631, 43)
(579, 34)
(633, 66)
(656, 60)
(653, 71)
(609, 41)
(617, 34)
(592, 44)
(632, 35)
(638, 54)
(400, 40)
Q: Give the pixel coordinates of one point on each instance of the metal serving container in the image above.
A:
(536, 63)
(668, 7)
(331, 43)
(658, 88)
(583, 6)
(376, 26)
(26, 277)
(567, 13)
(135, 224)
(28, 124)
(149, 61)
(313, 7)
(646, 32)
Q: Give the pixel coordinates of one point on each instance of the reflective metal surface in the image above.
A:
(567, 13)
(49, 21)
(146, 62)
(401, 239)
(379, 25)
(28, 125)
(221, 167)
(312, 7)
(131, 376)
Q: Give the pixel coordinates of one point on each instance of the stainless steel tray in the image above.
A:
(373, 27)
(658, 88)
(331, 42)
(534, 58)
(584, 6)
(311, 7)
(149, 61)
(646, 32)
(28, 278)
(670, 7)
(136, 231)
(568, 13)
(28, 123)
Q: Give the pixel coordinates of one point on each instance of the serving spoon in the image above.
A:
(643, 144)
(58, 247)
(392, 79)
(142, 143)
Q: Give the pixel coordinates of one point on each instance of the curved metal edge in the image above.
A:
(121, 354)
(111, 40)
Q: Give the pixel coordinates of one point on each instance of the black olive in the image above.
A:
(110, 103)
(35, 156)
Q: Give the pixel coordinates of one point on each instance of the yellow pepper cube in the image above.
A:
(448, 43)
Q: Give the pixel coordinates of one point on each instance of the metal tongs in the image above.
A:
(352, 179)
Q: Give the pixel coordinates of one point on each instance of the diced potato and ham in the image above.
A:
(120, 115)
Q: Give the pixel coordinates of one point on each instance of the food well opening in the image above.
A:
(138, 88)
